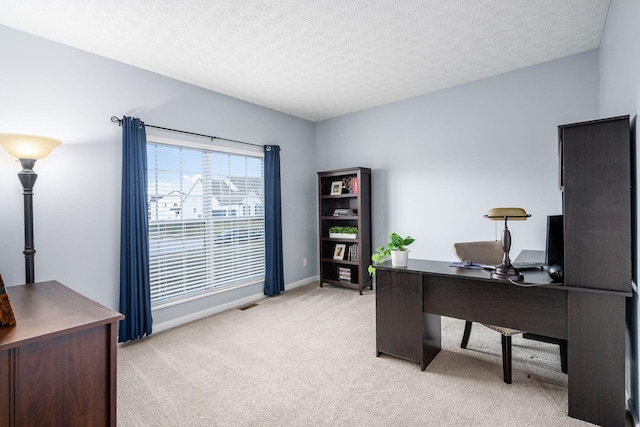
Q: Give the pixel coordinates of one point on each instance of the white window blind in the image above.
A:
(206, 221)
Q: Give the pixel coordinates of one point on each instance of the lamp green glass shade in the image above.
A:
(514, 214)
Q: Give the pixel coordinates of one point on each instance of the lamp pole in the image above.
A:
(27, 149)
(28, 178)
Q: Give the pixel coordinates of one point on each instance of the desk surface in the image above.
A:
(531, 277)
(535, 305)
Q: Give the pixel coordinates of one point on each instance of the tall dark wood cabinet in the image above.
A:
(596, 180)
(596, 171)
(344, 199)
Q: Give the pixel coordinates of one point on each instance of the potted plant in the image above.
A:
(396, 248)
(343, 232)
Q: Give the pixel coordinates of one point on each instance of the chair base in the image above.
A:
(506, 358)
(550, 340)
(507, 352)
(466, 334)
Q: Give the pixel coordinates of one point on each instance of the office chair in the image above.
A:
(491, 252)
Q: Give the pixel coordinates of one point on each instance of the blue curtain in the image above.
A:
(274, 271)
(135, 289)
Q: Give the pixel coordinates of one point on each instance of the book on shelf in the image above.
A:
(350, 185)
(352, 254)
(343, 212)
(344, 274)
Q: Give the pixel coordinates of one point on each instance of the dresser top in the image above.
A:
(49, 309)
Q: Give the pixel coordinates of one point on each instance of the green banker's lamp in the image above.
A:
(506, 271)
(27, 149)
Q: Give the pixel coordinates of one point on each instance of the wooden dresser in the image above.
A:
(58, 363)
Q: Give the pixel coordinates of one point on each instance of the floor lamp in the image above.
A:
(506, 271)
(27, 149)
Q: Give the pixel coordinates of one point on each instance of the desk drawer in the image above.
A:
(537, 310)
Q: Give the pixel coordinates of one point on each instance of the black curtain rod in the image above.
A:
(115, 119)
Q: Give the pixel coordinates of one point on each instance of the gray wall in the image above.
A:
(51, 89)
(439, 161)
(620, 95)
(442, 160)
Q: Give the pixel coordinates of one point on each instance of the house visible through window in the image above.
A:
(206, 220)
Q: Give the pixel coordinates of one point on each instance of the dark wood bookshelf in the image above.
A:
(360, 203)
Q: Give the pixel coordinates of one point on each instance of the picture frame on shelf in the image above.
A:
(336, 188)
(339, 250)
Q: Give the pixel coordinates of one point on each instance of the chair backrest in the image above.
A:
(485, 252)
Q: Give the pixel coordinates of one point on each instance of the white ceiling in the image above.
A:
(318, 59)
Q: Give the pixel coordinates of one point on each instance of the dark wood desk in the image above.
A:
(410, 301)
(58, 363)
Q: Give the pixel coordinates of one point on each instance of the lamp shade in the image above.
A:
(28, 146)
(514, 214)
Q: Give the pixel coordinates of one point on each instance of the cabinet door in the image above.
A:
(6, 384)
(399, 314)
(64, 381)
(597, 349)
(597, 204)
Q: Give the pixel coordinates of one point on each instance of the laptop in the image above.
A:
(529, 259)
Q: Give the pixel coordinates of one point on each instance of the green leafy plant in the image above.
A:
(396, 243)
(343, 229)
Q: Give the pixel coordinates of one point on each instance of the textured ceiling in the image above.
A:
(318, 59)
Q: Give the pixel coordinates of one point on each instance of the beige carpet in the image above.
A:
(307, 358)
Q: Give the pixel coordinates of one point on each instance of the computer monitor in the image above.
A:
(555, 240)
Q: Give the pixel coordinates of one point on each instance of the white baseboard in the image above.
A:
(159, 327)
(302, 282)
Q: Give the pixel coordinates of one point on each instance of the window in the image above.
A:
(206, 220)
